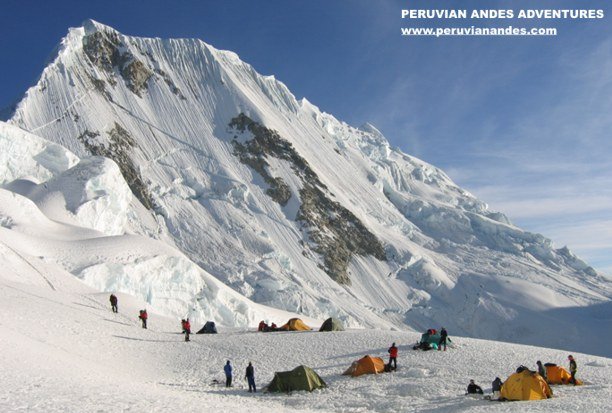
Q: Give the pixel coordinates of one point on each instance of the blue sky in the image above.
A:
(524, 123)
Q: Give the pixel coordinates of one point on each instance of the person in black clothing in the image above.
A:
(573, 367)
(443, 336)
(250, 376)
(541, 370)
(496, 387)
(113, 301)
(473, 388)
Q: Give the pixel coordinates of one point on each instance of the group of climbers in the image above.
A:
(143, 316)
(263, 326)
(249, 376)
(440, 341)
(433, 340)
(539, 379)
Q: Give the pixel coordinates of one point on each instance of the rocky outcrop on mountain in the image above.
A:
(117, 145)
(332, 230)
(107, 52)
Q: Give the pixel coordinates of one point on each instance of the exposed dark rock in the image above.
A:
(250, 154)
(333, 231)
(136, 75)
(100, 86)
(105, 50)
(102, 49)
(117, 146)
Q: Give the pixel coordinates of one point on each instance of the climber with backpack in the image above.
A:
(143, 317)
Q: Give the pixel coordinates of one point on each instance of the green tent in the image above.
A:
(430, 338)
(300, 378)
(331, 324)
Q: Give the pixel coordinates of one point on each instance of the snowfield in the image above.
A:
(63, 350)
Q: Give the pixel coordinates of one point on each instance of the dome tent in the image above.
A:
(332, 324)
(366, 365)
(525, 385)
(558, 375)
(300, 378)
(295, 324)
(209, 328)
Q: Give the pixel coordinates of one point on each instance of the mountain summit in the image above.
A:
(293, 208)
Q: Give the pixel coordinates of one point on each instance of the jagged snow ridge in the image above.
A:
(448, 257)
(92, 194)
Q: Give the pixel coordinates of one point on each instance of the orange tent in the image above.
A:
(295, 324)
(558, 375)
(366, 365)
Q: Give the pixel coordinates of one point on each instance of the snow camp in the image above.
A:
(182, 233)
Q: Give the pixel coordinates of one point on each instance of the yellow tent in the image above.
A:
(366, 365)
(295, 324)
(526, 385)
(558, 375)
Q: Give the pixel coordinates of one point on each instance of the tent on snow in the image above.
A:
(558, 375)
(209, 328)
(526, 385)
(331, 324)
(366, 365)
(300, 378)
(430, 338)
(295, 324)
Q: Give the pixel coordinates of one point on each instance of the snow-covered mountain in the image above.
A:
(285, 204)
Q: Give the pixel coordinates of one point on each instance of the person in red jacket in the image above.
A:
(143, 317)
(392, 356)
(187, 329)
(262, 326)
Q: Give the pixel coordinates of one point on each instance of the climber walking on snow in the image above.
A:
(113, 301)
(143, 317)
(186, 328)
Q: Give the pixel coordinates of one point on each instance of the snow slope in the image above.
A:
(287, 205)
(64, 350)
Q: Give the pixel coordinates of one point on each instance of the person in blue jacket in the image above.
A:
(228, 374)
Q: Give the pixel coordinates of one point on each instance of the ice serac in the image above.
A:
(291, 207)
(25, 156)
